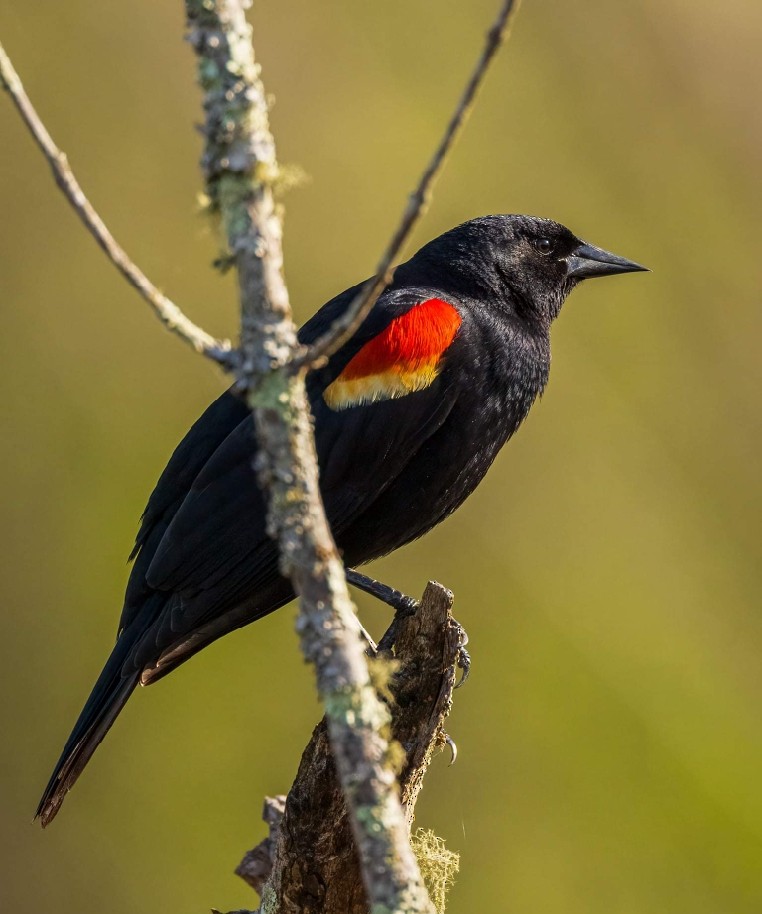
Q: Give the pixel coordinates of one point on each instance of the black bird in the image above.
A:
(409, 415)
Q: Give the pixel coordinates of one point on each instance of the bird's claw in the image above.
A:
(464, 665)
(464, 658)
(404, 608)
(453, 748)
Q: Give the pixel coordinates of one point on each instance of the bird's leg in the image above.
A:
(401, 603)
(403, 606)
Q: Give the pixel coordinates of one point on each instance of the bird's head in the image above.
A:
(527, 263)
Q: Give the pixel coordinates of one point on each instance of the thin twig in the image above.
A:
(345, 326)
(165, 309)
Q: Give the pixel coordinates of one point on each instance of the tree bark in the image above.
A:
(309, 862)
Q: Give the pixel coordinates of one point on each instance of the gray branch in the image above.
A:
(240, 165)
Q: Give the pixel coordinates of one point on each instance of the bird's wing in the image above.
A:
(220, 523)
(203, 438)
(216, 541)
(201, 441)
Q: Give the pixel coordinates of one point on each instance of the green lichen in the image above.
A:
(269, 900)
(438, 865)
(356, 708)
(381, 671)
(289, 177)
(269, 391)
(267, 174)
(374, 819)
(233, 193)
(396, 757)
(208, 74)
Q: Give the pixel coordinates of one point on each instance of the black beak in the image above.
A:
(586, 260)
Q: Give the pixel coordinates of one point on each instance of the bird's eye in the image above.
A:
(544, 245)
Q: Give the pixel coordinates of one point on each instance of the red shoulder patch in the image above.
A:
(403, 358)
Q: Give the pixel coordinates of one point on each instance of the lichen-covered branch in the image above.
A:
(309, 857)
(347, 324)
(239, 165)
(167, 311)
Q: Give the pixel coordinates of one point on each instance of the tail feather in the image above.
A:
(83, 741)
(143, 653)
(109, 695)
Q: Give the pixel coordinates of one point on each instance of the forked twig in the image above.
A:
(344, 327)
(165, 309)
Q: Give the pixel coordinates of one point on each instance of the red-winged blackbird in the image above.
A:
(409, 415)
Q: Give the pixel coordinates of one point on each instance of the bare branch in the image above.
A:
(345, 326)
(165, 309)
(239, 164)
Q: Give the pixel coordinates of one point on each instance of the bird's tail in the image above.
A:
(114, 686)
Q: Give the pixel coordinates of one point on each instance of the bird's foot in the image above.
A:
(403, 605)
(464, 658)
(390, 635)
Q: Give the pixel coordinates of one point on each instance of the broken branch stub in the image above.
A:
(309, 862)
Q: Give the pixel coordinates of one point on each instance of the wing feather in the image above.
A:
(203, 539)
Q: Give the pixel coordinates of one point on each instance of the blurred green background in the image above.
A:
(608, 571)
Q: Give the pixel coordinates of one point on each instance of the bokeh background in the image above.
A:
(608, 571)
